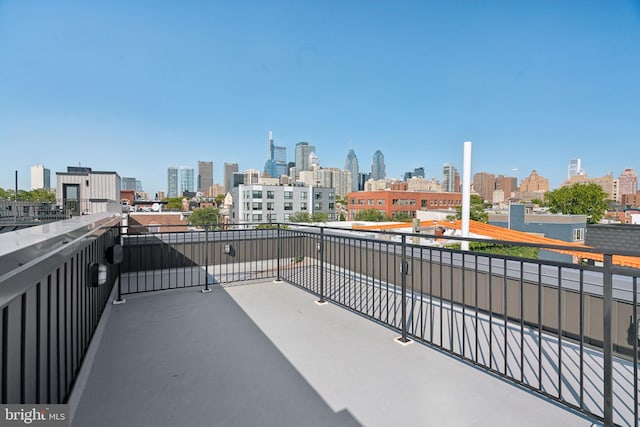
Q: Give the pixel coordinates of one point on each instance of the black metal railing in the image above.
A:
(50, 309)
(566, 331)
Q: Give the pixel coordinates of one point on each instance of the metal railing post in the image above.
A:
(206, 261)
(119, 299)
(607, 345)
(404, 267)
(279, 252)
(321, 250)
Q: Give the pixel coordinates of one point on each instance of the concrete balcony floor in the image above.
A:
(260, 353)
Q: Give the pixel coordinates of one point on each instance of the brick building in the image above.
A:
(391, 202)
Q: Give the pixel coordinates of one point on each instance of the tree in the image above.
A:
(174, 203)
(220, 199)
(537, 202)
(476, 210)
(300, 217)
(401, 217)
(370, 215)
(319, 217)
(578, 199)
(204, 216)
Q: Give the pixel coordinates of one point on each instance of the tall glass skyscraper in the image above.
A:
(378, 170)
(450, 178)
(276, 166)
(351, 165)
(229, 170)
(186, 179)
(172, 181)
(574, 168)
(303, 149)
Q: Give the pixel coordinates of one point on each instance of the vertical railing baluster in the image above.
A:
(607, 282)
(321, 250)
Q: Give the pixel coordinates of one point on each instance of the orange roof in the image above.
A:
(500, 233)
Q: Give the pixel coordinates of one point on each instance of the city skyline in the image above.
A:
(136, 88)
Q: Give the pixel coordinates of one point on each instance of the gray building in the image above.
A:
(303, 149)
(569, 228)
(186, 180)
(84, 191)
(351, 165)
(229, 170)
(40, 178)
(205, 176)
(275, 203)
(378, 169)
(129, 184)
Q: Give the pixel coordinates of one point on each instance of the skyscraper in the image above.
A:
(229, 170)
(276, 166)
(351, 165)
(128, 184)
(303, 149)
(378, 170)
(40, 177)
(205, 176)
(186, 179)
(172, 182)
(574, 168)
(450, 179)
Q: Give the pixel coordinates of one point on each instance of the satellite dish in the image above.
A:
(155, 207)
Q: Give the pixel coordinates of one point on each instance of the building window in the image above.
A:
(303, 195)
(361, 202)
(288, 206)
(352, 201)
(270, 194)
(332, 195)
(370, 202)
(257, 217)
(317, 206)
(257, 206)
(423, 203)
(286, 217)
(257, 194)
(578, 234)
(303, 206)
(332, 205)
(288, 194)
(318, 195)
(270, 206)
(380, 202)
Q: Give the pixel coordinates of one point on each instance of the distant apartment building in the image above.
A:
(417, 183)
(129, 184)
(172, 182)
(627, 184)
(631, 200)
(378, 168)
(407, 202)
(276, 203)
(484, 183)
(82, 190)
(351, 165)
(533, 187)
(508, 185)
(40, 178)
(205, 176)
(607, 183)
(229, 170)
(450, 179)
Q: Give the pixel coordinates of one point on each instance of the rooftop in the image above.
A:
(264, 353)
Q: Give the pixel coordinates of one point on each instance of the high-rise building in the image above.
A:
(303, 149)
(172, 182)
(627, 183)
(508, 184)
(378, 170)
(205, 176)
(229, 170)
(484, 183)
(276, 166)
(450, 179)
(419, 172)
(351, 165)
(128, 184)
(186, 179)
(574, 168)
(40, 177)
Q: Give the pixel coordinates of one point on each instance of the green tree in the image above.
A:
(476, 210)
(7, 194)
(219, 199)
(537, 202)
(205, 216)
(578, 199)
(174, 203)
(319, 217)
(401, 217)
(300, 217)
(370, 215)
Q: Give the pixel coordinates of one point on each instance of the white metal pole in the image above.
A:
(466, 194)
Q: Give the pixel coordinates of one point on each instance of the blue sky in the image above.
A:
(137, 86)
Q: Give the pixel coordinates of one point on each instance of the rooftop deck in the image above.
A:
(264, 353)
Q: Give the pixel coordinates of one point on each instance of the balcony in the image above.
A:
(317, 326)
